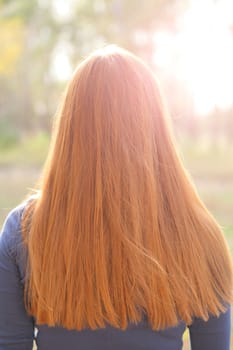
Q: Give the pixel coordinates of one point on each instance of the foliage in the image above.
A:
(34, 32)
(11, 44)
(8, 136)
(26, 152)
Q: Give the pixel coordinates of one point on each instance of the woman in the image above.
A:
(116, 250)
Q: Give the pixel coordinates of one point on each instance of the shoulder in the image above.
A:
(215, 333)
(219, 323)
(10, 234)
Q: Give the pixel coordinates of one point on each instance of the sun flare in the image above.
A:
(200, 54)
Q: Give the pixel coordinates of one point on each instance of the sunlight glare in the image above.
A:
(61, 68)
(62, 9)
(201, 54)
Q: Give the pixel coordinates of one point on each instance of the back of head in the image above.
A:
(117, 228)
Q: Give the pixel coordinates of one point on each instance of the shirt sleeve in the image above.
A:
(16, 326)
(213, 334)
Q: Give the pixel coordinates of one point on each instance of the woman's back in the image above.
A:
(18, 329)
(116, 243)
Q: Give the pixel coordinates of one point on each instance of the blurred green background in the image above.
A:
(188, 44)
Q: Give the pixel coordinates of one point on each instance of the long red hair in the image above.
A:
(117, 229)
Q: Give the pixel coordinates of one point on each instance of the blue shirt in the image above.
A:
(18, 329)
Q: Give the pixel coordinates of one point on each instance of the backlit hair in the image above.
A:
(117, 230)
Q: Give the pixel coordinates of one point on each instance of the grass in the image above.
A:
(211, 169)
(14, 185)
(30, 151)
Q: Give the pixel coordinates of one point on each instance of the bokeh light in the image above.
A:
(200, 54)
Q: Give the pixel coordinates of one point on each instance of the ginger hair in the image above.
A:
(117, 229)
